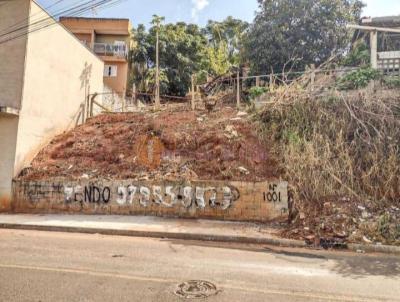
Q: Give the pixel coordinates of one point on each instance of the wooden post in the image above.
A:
(271, 82)
(258, 81)
(193, 94)
(91, 104)
(86, 115)
(374, 49)
(123, 101)
(83, 113)
(86, 106)
(238, 89)
(134, 95)
(312, 76)
(102, 107)
(157, 101)
(245, 73)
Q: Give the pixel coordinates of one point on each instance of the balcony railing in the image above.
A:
(116, 50)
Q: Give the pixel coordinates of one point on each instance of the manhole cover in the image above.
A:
(196, 289)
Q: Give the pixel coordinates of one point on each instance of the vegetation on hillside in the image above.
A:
(285, 35)
(340, 149)
(289, 35)
(339, 144)
(185, 49)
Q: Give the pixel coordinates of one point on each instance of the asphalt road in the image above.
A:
(41, 266)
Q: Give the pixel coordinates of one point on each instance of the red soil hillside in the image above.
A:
(172, 144)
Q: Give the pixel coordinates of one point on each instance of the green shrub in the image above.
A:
(359, 55)
(358, 79)
(255, 92)
(391, 81)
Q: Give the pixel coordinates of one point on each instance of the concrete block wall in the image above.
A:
(236, 201)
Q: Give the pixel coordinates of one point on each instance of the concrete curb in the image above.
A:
(385, 249)
(152, 234)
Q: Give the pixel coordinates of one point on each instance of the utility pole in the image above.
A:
(238, 90)
(156, 22)
(193, 94)
(157, 72)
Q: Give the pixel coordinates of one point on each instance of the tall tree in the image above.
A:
(183, 52)
(226, 37)
(157, 20)
(290, 34)
(139, 58)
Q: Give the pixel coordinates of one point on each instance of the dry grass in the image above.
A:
(337, 143)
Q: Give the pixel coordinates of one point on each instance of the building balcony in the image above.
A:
(112, 50)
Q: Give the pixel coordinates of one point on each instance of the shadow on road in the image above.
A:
(363, 266)
(295, 254)
(347, 264)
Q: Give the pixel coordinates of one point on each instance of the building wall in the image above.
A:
(49, 90)
(118, 83)
(12, 60)
(241, 201)
(57, 80)
(121, 26)
(12, 53)
(8, 141)
(85, 37)
(110, 39)
(105, 31)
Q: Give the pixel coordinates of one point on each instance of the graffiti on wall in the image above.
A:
(37, 191)
(259, 201)
(165, 196)
(276, 194)
(90, 194)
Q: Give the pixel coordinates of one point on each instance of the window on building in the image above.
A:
(110, 70)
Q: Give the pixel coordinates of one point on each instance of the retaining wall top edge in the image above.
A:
(97, 180)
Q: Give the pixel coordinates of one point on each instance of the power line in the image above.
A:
(49, 17)
(106, 6)
(23, 21)
(51, 20)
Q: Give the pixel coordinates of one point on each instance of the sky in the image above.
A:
(200, 11)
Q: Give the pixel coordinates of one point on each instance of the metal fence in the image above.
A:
(117, 50)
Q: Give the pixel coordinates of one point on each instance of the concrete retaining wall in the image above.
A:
(240, 201)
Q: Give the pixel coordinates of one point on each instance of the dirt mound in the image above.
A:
(172, 144)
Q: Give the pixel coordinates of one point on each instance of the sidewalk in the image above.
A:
(155, 227)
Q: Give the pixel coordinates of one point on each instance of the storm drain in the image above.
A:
(196, 289)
